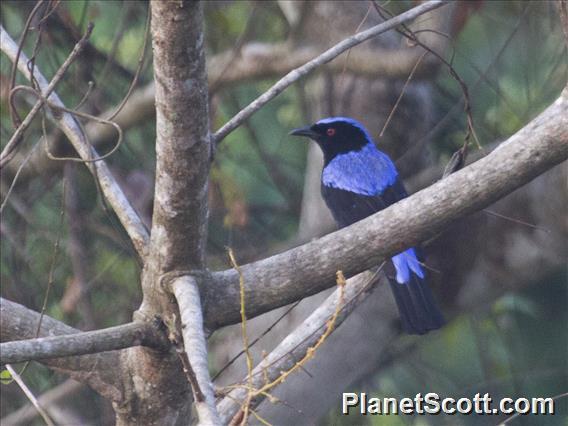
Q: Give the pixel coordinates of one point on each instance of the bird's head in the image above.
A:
(336, 135)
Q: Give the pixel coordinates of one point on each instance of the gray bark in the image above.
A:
(98, 371)
(180, 207)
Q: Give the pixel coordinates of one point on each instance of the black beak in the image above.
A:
(305, 131)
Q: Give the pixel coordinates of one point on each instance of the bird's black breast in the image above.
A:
(348, 207)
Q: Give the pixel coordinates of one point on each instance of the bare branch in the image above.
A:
(265, 60)
(89, 342)
(325, 57)
(7, 152)
(308, 269)
(295, 346)
(69, 125)
(98, 371)
(27, 413)
(186, 292)
(255, 61)
(30, 396)
(476, 270)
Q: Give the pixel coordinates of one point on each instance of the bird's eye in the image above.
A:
(330, 131)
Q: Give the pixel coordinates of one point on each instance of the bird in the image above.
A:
(357, 181)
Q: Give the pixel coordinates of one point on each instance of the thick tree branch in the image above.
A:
(179, 225)
(98, 371)
(324, 58)
(179, 221)
(69, 125)
(89, 342)
(308, 269)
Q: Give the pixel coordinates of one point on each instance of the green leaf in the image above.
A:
(5, 377)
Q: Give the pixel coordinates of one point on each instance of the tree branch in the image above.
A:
(179, 221)
(255, 61)
(69, 125)
(295, 346)
(479, 258)
(30, 395)
(26, 414)
(265, 60)
(309, 269)
(89, 342)
(98, 371)
(186, 292)
(324, 58)
(6, 154)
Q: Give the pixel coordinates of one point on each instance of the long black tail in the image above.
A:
(418, 311)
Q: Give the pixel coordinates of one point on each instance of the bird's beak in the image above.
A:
(304, 131)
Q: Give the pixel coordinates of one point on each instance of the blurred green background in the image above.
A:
(512, 55)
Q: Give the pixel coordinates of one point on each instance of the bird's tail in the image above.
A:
(418, 311)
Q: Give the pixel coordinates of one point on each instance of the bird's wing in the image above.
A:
(349, 207)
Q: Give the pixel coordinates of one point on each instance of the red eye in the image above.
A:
(330, 131)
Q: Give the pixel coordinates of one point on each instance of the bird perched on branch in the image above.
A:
(359, 180)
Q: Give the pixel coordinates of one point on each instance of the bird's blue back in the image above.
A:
(366, 172)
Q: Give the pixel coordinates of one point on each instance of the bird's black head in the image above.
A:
(336, 135)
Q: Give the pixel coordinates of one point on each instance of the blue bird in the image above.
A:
(359, 180)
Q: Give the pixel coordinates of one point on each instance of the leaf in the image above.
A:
(5, 377)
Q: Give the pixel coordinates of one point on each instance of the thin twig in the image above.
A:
(15, 179)
(244, 335)
(402, 92)
(16, 120)
(134, 81)
(517, 221)
(458, 159)
(123, 21)
(26, 414)
(304, 340)
(16, 138)
(325, 57)
(59, 109)
(30, 395)
(514, 416)
(482, 77)
(264, 333)
(310, 352)
(187, 368)
(76, 135)
(52, 265)
(343, 71)
(236, 51)
(347, 307)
